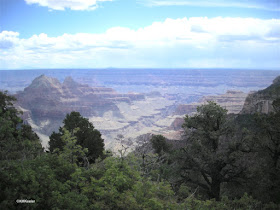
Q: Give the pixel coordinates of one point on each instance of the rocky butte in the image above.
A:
(46, 101)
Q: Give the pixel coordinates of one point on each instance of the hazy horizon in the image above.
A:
(147, 68)
(148, 79)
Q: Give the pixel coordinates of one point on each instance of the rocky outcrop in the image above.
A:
(177, 124)
(261, 101)
(232, 100)
(184, 109)
(46, 101)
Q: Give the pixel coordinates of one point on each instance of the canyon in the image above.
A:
(131, 103)
(46, 101)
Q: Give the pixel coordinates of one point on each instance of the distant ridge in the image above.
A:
(123, 80)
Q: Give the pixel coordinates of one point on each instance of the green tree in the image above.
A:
(269, 135)
(267, 167)
(48, 179)
(71, 151)
(17, 140)
(117, 184)
(212, 156)
(160, 144)
(87, 136)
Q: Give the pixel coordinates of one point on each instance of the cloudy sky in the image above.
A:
(139, 33)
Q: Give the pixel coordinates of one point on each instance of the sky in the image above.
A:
(40, 34)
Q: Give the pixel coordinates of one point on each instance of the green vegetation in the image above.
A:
(17, 140)
(86, 136)
(213, 156)
(228, 162)
(159, 144)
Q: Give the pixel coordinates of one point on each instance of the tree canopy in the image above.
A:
(87, 136)
(223, 164)
(159, 144)
(17, 140)
(212, 155)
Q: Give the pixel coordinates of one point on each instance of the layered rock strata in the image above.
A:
(261, 101)
(46, 101)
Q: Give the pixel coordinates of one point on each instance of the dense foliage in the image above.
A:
(213, 155)
(86, 135)
(17, 140)
(159, 144)
(227, 162)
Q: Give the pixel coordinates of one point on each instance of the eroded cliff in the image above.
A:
(261, 101)
(46, 101)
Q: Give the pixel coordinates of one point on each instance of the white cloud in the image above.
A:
(71, 4)
(8, 39)
(186, 42)
(272, 5)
